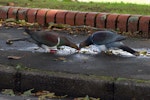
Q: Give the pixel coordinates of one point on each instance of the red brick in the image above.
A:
(101, 20)
(22, 13)
(51, 16)
(133, 23)
(41, 16)
(144, 25)
(111, 22)
(122, 22)
(61, 16)
(3, 12)
(70, 18)
(12, 12)
(31, 15)
(90, 19)
(80, 18)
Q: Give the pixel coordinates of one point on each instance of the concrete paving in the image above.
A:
(7, 97)
(100, 65)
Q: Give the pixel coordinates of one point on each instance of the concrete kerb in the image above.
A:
(7, 76)
(130, 89)
(74, 85)
(61, 83)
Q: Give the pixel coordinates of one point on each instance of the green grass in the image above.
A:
(121, 8)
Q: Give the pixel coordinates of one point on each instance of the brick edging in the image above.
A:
(121, 22)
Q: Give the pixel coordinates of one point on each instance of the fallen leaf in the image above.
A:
(8, 92)
(10, 20)
(60, 26)
(45, 94)
(60, 58)
(48, 95)
(28, 92)
(14, 57)
(39, 93)
(143, 52)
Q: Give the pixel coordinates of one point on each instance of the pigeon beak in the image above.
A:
(85, 43)
(81, 45)
(74, 46)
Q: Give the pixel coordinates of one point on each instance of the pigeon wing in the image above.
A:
(106, 37)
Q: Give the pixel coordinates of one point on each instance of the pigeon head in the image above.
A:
(85, 43)
(65, 41)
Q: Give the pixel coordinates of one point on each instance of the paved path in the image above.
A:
(76, 74)
(101, 64)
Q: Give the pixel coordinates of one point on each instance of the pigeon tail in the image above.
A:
(128, 49)
(28, 31)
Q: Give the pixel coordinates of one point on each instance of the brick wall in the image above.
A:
(121, 22)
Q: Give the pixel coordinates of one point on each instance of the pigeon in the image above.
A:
(49, 39)
(107, 40)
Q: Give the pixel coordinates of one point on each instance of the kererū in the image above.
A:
(108, 39)
(47, 40)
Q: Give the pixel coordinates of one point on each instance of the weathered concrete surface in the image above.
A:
(81, 74)
(7, 76)
(133, 89)
(6, 97)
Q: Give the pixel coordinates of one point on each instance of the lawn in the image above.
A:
(121, 8)
(125, 1)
